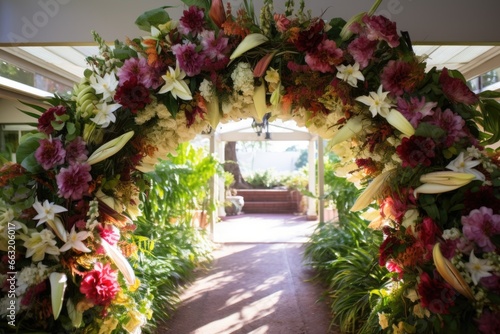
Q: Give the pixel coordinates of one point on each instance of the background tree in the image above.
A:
(231, 166)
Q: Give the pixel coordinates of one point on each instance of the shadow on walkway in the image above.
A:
(254, 287)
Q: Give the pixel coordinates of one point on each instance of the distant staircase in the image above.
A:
(270, 200)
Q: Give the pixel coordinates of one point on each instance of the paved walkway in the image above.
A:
(256, 283)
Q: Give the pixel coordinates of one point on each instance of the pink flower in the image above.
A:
(73, 182)
(109, 233)
(139, 68)
(50, 115)
(455, 89)
(400, 77)
(100, 285)
(192, 21)
(436, 295)
(380, 28)
(50, 153)
(452, 123)
(76, 151)
(214, 48)
(325, 57)
(414, 109)
(362, 50)
(190, 61)
(282, 22)
(480, 226)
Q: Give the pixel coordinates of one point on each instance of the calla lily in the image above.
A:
(259, 100)
(217, 13)
(249, 42)
(58, 283)
(110, 148)
(261, 67)
(372, 190)
(450, 274)
(75, 315)
(444, 181)
(397, 120)
(213, 111)
(120, 261)
(350, 129)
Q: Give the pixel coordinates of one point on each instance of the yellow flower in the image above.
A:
(382, 320)
(135, 320)
(108, 325)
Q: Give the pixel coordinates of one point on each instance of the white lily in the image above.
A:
(397, 120)
(58, 283)
(249, 42)
(373, 189)
(350, 129)
(40, 243)
(110, 148)
(259, 100)
(104, 85)
(465, 164)
(377, 102)
(350, 74)
(478, 268)
(75, 241)
(120, 261)
(175, 84)
(105, 114)
(46, 211)
(444, 181)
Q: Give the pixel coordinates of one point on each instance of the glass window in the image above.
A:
(15, 73)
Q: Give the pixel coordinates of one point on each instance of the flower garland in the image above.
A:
(412, 138)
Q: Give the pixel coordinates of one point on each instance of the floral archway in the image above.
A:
(415, 139)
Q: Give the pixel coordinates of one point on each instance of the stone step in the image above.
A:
(269, 207)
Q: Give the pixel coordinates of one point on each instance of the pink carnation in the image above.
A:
(73, 182)
(362, 50)
(50, 153)
(109, 233)
(480, 226)
(282, 22)
(100, 285)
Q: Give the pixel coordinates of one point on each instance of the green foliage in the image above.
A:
(170, 247)
(266, 179)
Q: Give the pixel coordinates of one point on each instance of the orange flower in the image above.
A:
(151, 51)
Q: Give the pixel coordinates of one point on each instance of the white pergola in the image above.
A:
(279, 131)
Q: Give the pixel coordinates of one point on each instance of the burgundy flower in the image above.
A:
(192, 21)
(191, 115)
(325, 57)
(132, 95)
(76, 151)
(428, 233)
(400, 77)
(308, 40)
(416, 151)
(190, 61)
(484, 196)
(491, 283)
(49, 116)
(380, 28)
(436, 295)
(100, 285)
(362, 50)
(386, 249)
(73, 182)
(489, 322)
(50, 153)
(480, 226)
(455, 89)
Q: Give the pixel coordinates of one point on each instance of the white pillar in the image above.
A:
(321, 179)
(311, 207)
(222, 189)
